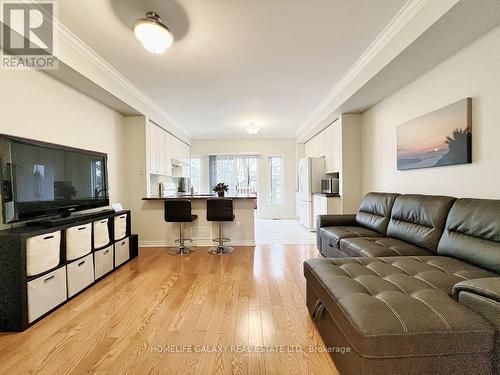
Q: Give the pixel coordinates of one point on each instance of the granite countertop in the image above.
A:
(328, 195)
(202, 196)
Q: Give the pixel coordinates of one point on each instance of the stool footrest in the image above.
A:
(181, 250)
(223, 239)
(220, 250)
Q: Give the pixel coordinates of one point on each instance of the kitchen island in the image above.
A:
(241, 231)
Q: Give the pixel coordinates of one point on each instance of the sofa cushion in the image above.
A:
(333, 235)
(400, 306)
(375, 211)
(379, 247)
(419, 219)
(472, 233)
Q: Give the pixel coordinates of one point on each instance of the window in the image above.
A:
(97, 179)
(275, 165)
(238, 171)
(196, 173)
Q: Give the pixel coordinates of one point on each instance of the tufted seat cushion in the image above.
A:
(400, 306)
(379, 247)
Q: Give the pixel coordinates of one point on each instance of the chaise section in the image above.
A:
(397, 316)
(415, 227)
(370, 221)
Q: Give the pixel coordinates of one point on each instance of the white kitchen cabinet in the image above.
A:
(323, 205)
(337, 146)
(162, 151)
(159, 151)
(165, 153)
(186, 153)
(316, 147)
(308, 149)
(329, 146)
(322, 143)
(162, 147)
(174, 148)
(317, 141)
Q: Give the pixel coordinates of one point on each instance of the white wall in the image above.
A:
(37, 106)
(264, 148)
(472, 72)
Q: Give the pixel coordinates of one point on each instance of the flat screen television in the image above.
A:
(41, 179)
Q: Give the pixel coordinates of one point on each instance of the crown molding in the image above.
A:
(400, 20)
(79, 46)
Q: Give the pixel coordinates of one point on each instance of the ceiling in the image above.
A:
(235, 60)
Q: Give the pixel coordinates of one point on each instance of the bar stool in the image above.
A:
(221, 210)
(179, 211)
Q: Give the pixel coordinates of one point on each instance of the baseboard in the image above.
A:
(195, 243)
(278, 217)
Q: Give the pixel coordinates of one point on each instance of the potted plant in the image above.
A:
(220, 189)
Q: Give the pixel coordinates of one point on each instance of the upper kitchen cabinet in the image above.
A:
(330, 166)
(315, 147)
(164, 152)
(152, 148)
(327, 144)
(181, 158)
(158, 151)
(167, 153)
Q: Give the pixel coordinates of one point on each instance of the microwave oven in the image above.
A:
(330, 186)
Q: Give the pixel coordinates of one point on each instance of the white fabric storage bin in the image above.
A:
(80, 274)
(101, 233)
(120, 226)
(78, 241)
(46, 293)
(103, 261)
(42, 253)
(122, 252)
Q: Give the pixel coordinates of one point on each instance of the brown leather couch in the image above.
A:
(434, 308)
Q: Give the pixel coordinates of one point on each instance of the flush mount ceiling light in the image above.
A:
(152, 33)
(253, 128)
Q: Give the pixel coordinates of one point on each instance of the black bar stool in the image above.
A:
(221, 210)
(179, 211)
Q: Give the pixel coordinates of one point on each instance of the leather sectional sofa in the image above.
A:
(411, 284)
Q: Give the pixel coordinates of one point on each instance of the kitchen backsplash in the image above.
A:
(171, 184)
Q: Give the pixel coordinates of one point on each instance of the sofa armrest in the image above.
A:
(483, 297)
(331, 221)
(488, 287)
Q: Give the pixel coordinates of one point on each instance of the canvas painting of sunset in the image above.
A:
(442, 137)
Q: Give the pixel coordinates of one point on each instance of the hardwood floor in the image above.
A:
(166, 314)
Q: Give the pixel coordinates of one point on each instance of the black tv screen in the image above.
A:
(42, 179)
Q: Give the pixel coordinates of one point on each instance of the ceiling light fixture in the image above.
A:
(152, 33)
(253, 128)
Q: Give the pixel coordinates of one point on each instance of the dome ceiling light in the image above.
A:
(152, 33)
(253, 128)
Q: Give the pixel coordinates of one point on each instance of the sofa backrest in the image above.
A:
(472, 233)
(375, 211)
(419, 219)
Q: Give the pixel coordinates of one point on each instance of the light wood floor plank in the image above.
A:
(162, 314)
